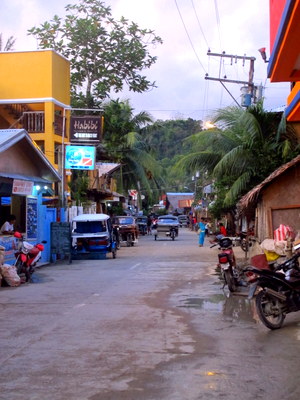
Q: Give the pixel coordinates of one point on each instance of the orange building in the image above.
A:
(284, 62)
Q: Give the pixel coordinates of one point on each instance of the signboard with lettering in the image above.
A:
(80, 157)
(85, 129)
(22, 187)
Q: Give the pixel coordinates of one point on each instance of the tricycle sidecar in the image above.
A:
(127, 230)
(142, 224)
(166, 225)
(93, 236)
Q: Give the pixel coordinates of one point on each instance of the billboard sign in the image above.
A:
(80, 157)
(85, 129)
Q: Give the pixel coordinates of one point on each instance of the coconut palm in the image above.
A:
(8, 45)
(246, 148)
(123, 143)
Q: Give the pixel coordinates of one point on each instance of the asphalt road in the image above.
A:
(152, 324)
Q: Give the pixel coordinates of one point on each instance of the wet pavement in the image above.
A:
(152, 324)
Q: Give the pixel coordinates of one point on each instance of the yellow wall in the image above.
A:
(34, 74)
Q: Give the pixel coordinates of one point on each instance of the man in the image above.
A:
(8, 227)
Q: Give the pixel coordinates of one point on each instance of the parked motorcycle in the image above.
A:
(27, 256)
(227, 263)
(277, 291)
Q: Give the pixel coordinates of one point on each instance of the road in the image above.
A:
(154, 323)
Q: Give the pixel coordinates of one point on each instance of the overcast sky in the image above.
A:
(188, 29)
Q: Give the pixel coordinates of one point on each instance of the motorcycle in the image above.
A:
(227, 264)
(27, 256)
(277, 290)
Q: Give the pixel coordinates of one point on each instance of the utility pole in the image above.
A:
(249, 83)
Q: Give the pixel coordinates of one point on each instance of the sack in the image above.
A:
(9, 274)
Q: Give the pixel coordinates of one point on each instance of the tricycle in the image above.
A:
(166, 225)
(127, 230)
(142, 224)
(93, 236)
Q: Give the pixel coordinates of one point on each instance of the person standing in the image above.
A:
(202, 226)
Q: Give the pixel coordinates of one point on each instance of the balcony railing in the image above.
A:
(34, 122)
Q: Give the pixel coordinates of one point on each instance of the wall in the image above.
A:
(280, 203)
(34, 75)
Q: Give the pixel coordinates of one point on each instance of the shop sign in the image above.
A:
(85, 129)
(22, 187)
(80, 157)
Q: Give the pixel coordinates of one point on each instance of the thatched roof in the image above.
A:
(249, 199)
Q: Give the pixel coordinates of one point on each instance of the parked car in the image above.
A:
(92, 235)
(183, 220)
(127, 229)
(166, 225)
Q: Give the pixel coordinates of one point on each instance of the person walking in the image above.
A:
(202, 226)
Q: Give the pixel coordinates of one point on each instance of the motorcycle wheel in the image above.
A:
(269, 310)
(244, 245)
(155, 237)
(230, 281)
(173, 235)
(19, 267)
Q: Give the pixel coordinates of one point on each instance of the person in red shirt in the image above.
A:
(222, 229)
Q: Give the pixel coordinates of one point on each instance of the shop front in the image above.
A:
(25, 173)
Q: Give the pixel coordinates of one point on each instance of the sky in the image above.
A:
(188, 28)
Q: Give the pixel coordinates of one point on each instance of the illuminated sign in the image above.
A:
(80, 157)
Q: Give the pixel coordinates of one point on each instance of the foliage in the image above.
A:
(123, 143)
(9, 45)
(167, 141)
(104, 53)
(79, 186)
(244, 150)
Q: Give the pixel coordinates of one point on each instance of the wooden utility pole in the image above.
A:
(249, 83)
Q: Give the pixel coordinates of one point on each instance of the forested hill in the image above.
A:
(166, 138)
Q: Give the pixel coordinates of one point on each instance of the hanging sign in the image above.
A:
(85, 129)
(22, 187)
(80, 157)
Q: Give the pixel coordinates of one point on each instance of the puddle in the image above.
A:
(233, 306)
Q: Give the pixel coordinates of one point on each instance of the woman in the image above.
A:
(202, 226)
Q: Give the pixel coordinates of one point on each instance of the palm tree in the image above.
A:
(246, 148)
(123, 143)
(9, 44)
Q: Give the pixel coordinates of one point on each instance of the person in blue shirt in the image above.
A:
(202, 226)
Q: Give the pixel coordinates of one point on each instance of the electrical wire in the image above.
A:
(190, 40)
(199, 24)
(218, 22)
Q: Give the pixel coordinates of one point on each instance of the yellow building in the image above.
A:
(34, 93)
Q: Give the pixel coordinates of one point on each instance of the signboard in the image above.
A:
(31, 218)
(61, 239)
(85, 129)
(22, 187)
(80, 157)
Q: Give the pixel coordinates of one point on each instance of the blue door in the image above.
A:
(46, 216)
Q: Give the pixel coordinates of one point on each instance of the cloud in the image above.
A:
(188, 31)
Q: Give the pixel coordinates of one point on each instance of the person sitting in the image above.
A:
(8, 227)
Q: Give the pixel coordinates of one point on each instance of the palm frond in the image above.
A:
(237, 189)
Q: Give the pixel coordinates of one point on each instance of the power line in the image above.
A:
(187, 33)
(218, 22)
(199, 23)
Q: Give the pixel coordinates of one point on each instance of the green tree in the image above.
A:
(123, 143)
(249, 145)
(104, 53)
(9, 45)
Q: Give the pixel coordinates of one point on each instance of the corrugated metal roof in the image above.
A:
(10, 137)
(106, 168)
